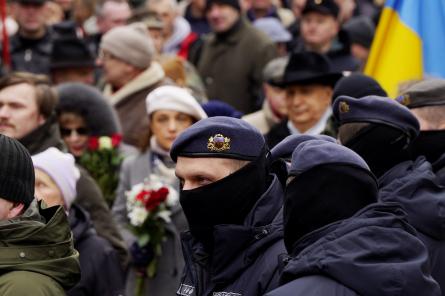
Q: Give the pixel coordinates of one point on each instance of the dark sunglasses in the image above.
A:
(82, 131)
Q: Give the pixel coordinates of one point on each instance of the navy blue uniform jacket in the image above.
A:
(374, 253)
(245, 258)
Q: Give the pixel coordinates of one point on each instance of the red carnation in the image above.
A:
(163, 191)
(143, 196)
(116, 140)
(93, 143)
(157, 197)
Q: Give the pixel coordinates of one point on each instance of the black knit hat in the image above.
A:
(16, 172)
(70, 52)
(358, 85)
(234, 3)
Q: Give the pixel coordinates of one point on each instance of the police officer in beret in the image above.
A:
(233, 207)
(426, 100)
(308, 81)
(340, 241)
(381, 131)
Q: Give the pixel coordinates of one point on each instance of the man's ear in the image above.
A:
(16, 210)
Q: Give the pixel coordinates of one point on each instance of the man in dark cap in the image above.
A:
(340, 242)
(72, 61)
(308, 81)
(31, 46)
(320, 32)
(228, 63)
(235, 227)
(381, 131)
(37, 256)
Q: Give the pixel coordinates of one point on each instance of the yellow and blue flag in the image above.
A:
(409, 43)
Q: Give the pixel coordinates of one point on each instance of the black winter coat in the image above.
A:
(31, 55)
(374, 253)
(245, 258)
(99, 262)
(413, 185)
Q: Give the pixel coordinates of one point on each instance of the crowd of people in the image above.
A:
(217, 147)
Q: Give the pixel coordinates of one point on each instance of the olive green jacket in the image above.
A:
(37, 256)
(232, 67)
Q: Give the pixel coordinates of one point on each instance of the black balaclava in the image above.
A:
(381, 146)
(226, 201)
(430, 144)
(323, 195)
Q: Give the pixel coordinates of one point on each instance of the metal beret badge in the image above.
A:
(218, 143)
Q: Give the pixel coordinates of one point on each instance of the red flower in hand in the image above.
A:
(93, 143)
(116, 140)
(157, 197)
(143, 196)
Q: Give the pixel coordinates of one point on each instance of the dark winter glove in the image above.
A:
(141, 256)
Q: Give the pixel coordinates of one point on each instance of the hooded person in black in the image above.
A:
(339, 240)
(233, 207)
(377, 128)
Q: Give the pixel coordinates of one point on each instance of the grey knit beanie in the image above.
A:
(16, 172)
(130, 44)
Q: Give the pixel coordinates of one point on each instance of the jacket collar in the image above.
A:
(149, 77)
(44, 137)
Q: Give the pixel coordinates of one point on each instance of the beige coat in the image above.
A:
(129, 102)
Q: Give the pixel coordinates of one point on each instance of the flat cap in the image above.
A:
(285, 148)
(313, 153)
(221, 137)
(429, 92)
(375, 109)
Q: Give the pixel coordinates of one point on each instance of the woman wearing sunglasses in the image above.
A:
(83, 112)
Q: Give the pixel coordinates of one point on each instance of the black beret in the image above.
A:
(308, 67)
(429, 92)
(314, 153)
(219, 136)
(375, 109)
(328, 7)
(285, 148)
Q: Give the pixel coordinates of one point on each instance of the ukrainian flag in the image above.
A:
(409, 43)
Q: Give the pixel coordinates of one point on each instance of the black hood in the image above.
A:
(375, 253)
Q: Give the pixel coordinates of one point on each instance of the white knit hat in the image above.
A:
(174, 98)
(62, 169)
(130, 44)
